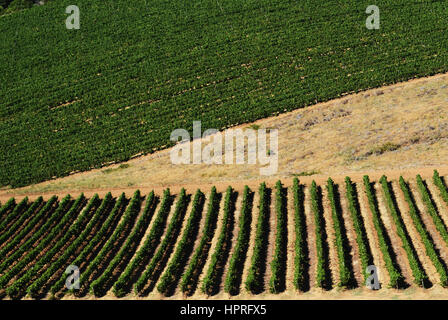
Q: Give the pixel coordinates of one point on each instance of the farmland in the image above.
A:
(72, 100)
(289, 239)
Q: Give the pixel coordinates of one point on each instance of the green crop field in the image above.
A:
(137, 69)
(280, 240)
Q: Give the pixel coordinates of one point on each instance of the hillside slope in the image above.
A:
(398, 130)
(77, 99)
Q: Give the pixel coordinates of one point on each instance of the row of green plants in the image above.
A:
(28, 253)
(278, 264)
(100, 285)
(395, 277)
(17, 289)
(99, 263)
(301, 259)
(345, 273)
(20, 222)
(235, 270)
(18, 210)
(426, 238)
(169, 84)
(255, 278)
(7, 207)
(419, 274)
(96, 242)
(441, 186)
(127, 278)
(190, 278)
(169, 279)
(35, 289)
(319, 224)
(432, 209)
(36, 221)
(365, 255)
(166, 246)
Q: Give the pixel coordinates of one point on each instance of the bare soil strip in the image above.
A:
(414, 235)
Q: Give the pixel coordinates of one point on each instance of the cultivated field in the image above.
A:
(73, 100)
(297, 240)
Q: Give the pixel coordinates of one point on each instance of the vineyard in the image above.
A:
(275, 240)
(72, 100)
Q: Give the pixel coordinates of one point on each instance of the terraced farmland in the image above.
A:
(285, 240)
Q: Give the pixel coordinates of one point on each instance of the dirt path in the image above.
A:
(414, 235)
(351, 237)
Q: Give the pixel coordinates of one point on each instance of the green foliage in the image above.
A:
(255, 278)
(194, 269)
(432, 209)
(97, 239)
(77, 99)
(358, 225)
(172, 273)
(345, 274)
(418, 272)
(128, 277)
(322, 258)
(101, 284)
(166, 246)
(26, 253)
(278, 265)
(424, 234)
(301, 260)
(395, 276)
(35, 289)
(93, 267)
(441, 186)
(233, 278)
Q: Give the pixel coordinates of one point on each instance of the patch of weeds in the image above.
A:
(305, 173)
(120, 167)
(386, 147)
(254, 126)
